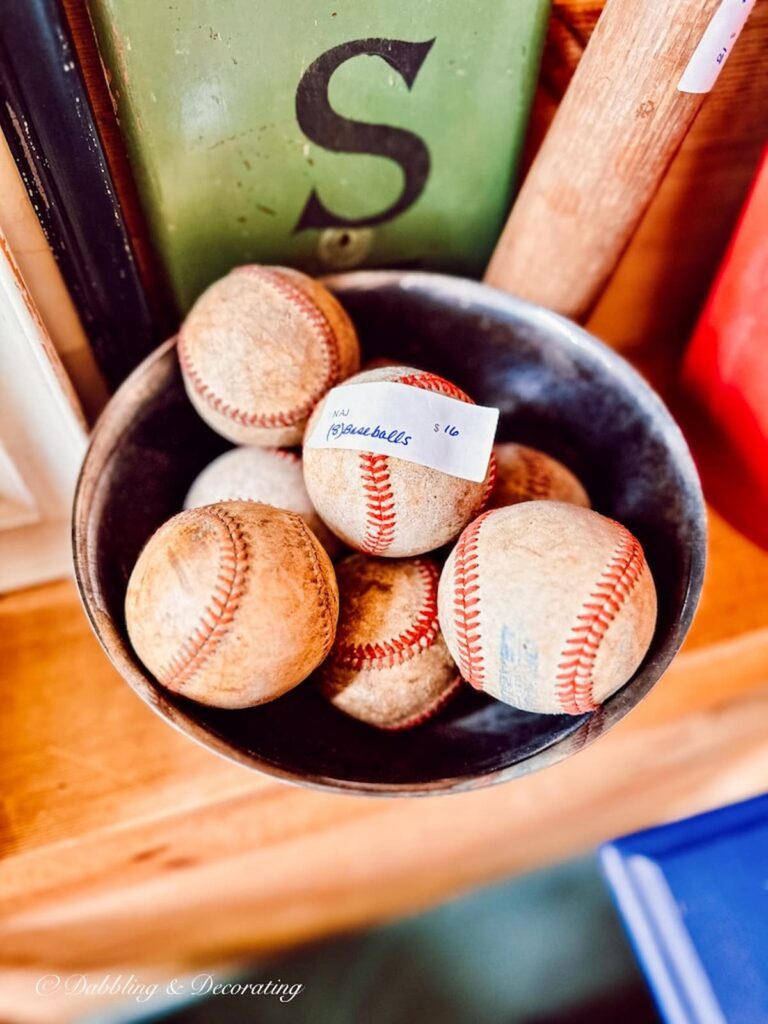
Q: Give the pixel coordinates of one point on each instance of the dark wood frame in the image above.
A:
(48, 122)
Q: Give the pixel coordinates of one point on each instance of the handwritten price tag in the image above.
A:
(411, 424)
(715, 47)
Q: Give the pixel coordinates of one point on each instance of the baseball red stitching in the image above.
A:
(421, 635)
(575, 679)
(490, 480)
(380, 513)
(431, 382)
(221, 609)
(538, 479)
(328, 346)
(380, 510)
(328, 612)
(466, 604)
(285, 454)
(429, 712)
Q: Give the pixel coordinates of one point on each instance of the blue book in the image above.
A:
(694, 898)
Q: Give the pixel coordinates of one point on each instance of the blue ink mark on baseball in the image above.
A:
(519, 664)
(393, 436)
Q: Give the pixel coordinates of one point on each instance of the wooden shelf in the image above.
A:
(125, 843)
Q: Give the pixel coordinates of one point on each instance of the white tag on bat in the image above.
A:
(715, 47)
(410, 423)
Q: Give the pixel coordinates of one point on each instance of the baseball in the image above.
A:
(526, 474)
(260, 348)
(547, 606)
(271, 475)
(232, 604)
(383, 505)
(389, 666)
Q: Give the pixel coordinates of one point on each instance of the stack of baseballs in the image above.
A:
(542, 603)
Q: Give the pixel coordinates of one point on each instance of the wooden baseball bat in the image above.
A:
(618, 127)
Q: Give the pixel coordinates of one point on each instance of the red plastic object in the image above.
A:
(726, 365)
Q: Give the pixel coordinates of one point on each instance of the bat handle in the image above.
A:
(618, 127)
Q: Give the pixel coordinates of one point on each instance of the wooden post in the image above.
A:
(619, 126)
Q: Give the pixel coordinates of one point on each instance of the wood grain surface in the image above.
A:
(653, 299)
(621, 121)
(120, 837)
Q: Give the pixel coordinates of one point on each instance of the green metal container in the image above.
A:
(321, 135)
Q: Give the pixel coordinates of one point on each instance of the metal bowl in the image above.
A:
(557, 388)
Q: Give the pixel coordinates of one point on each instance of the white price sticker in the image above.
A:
(715, 47)
(410, 423)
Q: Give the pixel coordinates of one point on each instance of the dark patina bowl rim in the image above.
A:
(453, 291)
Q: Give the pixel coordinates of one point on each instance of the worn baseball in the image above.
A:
(389, 666)
(383, 505)
(547, 606)
(526, 474)
(270, 475)
(232, 604)
(260, 348)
